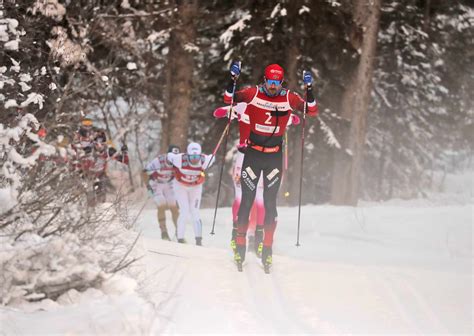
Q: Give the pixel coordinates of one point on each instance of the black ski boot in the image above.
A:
(165, 236)
(258, 244)
(267, 259)
(182, 241)
(199, 241)
(239, 256)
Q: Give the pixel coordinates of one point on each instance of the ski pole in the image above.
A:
(220, 140)
(301, 167)
(285, 166)
(224, 136)
(216, 148)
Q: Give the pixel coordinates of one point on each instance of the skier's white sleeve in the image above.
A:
(208, 161)
(237, 110)
(175, 159)
(240, 108)
(153, 166)
(290, 120)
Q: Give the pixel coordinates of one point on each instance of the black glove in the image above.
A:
(242, 148)
(124, 148)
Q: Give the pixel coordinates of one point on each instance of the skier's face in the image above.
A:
(99, 147)
(273, 86)
(194, 158)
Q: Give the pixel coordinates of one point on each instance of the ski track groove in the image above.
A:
(387, 283)
(270, 311)
(277, 313)
(423, 305)
(421, 310)
(285, 303)
(170, 303)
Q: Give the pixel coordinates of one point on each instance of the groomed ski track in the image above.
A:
(341, 290)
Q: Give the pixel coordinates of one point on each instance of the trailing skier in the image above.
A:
(257, 213)
(189, 176)
(161, 172)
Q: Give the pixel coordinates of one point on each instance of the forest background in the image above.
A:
(393, 80)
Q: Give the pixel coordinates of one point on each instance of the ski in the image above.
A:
(239, 266)
(266, 268)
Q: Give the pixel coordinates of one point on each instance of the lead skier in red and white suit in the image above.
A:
(269, 109)
(257, 213)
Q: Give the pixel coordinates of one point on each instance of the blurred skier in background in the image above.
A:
(161, 173)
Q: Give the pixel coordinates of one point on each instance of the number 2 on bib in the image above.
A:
(268, 121)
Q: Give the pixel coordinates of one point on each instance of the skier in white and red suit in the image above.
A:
(189, 177)
(257, 213)
(269, 108)
(160, 172)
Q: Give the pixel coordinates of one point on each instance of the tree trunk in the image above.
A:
(181, 66)
(426, 15)
(355, 103)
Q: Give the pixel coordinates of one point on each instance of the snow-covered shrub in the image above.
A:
(52, 239)
(35, 268)
(65, 50)
(49, 8)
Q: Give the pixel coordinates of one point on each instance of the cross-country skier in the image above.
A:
(160, 172)
(189, 177)
(257, 213)
(103, 152)
(269, 108)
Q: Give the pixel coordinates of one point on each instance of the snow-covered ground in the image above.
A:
(401, 267)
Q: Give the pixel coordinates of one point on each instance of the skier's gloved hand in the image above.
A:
(150, 192)
(295, 120)
(307, 78)
(242, 147)
(220, 112)
(227, 111)
(235, 69)
(124, 148)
